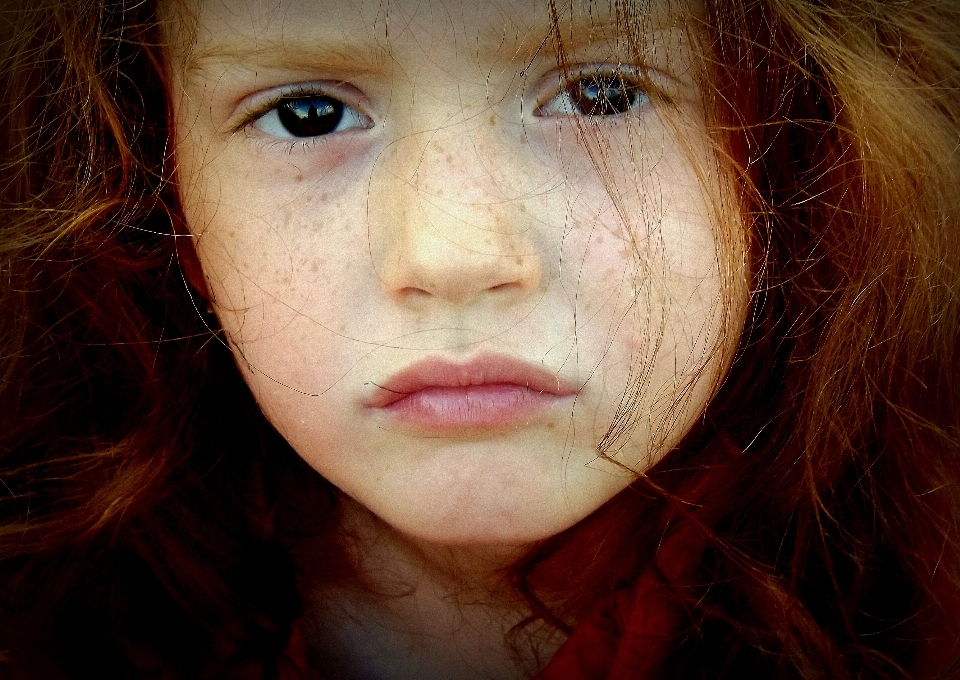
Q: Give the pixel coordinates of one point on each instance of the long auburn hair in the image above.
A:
(146, 505)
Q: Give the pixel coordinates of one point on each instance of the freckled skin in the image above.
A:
(455, 223)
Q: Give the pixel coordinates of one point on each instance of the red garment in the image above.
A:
(293, 661)
(629, 635)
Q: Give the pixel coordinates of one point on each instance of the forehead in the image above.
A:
(367, 33)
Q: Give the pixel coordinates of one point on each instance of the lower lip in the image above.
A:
(476, 406)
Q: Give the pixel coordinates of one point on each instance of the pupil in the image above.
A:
(310, 116)
(604, 95)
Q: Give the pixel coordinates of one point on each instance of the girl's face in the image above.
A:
(473, 291)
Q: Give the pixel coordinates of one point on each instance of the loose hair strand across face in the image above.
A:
(138, 475)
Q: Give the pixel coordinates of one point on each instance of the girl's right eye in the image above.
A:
(309, 115)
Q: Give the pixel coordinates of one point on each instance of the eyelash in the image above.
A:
(271, 117)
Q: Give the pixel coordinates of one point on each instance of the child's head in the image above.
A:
(402, 199)
(484, 266)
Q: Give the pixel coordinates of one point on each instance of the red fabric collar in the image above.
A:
(630, 634)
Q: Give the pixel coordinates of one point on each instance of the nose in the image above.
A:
(453, 234)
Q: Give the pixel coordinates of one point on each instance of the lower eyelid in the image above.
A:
(565, 102)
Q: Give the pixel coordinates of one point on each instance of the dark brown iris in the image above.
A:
(310, 116)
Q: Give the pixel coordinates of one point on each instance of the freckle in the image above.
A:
(523, 208)
(298, 177)
(323, 197)
(493, 120)
(551, 426)
(519, 260)
(233, 234)
(315, 266)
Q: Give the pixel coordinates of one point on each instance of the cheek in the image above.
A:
(286, 278)
(285, 254)
(644, 272)
(650, 257)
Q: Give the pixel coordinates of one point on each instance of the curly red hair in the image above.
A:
(135, 480)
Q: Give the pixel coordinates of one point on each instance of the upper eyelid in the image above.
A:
(548, 84)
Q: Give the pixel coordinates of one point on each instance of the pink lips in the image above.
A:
(490, 391)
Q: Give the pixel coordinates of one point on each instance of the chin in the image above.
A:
(483, 530)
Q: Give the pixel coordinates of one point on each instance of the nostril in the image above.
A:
(413, 293)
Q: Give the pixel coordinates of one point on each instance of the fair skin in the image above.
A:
(449, 213)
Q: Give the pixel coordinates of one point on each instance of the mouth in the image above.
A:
(488, 392)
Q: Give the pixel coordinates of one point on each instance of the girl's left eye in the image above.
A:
(309, 115)
(597, 94)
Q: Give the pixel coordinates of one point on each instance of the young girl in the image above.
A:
(440, 338)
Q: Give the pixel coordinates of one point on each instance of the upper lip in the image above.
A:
(486, 369)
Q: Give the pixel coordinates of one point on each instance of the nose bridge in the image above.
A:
(452, 230)
(467, 155)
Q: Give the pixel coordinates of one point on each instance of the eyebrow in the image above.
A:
(295, 55)
(339, 57)
(581, 31)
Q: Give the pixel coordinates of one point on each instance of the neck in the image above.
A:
(382, 554)
(421, 610)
